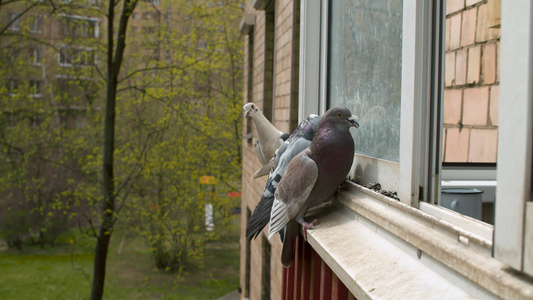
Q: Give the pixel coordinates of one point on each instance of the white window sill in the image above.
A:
(383, 249)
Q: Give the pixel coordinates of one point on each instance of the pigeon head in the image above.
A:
(250, 108)
(341, 117)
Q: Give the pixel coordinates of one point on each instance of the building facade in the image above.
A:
(425, 80)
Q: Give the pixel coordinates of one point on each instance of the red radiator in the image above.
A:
(309, 277)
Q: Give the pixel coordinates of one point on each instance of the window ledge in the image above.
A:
(381, 248)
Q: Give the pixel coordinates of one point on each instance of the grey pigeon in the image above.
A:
(268, 138)
(299, 140)
(312, 177)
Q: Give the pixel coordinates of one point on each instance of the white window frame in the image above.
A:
(513, 236)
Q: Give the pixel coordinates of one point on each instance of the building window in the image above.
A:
(36, 24)
(77, 56)
(13, 53)
(65, 57)
(250, 82)
(365, 55)
(154, 2)
(79, 27)
(15, 18)
(248, 262)
(147, 16)
(270, 54)
(36, 88)
(36, 56)
(265, 292)
(148, 29)
(12, 86)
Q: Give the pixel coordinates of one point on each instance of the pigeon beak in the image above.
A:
(353, 121)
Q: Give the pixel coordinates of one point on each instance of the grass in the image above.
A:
(65, 272)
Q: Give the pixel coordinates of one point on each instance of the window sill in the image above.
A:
(381, 248)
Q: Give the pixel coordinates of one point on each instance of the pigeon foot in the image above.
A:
(306, 226)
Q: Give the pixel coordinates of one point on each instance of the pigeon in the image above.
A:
(299, 140)
(312, 177)
(269, 139)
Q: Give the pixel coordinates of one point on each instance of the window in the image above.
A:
(36, 24)
(265, 293)
(35, 88)
(270, 54)
(420, 48)
(12, 86)
(92, 2)
(250, 81)
(364, 67)
(15, 18)
(79, 27)
(13, 53)
(36, 56)
(65, 56)
(77, 56)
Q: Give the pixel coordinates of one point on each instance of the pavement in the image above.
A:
(231, 296)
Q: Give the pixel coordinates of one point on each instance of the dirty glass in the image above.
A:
(364, 71)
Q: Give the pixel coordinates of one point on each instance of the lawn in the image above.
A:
(65, 272)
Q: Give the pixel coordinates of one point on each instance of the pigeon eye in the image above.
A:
(339, 115)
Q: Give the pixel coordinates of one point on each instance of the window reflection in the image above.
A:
(365, 50)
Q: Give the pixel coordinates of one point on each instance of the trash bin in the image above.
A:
(463, 201)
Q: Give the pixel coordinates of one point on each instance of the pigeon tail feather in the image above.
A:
(287, 252)
(260, 217)
(278, 217)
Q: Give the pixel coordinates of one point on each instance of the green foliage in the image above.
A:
(178, 118)
(194, 96)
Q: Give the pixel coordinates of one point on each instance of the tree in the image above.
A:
(115, 54)
(194, 93)
(41, 174)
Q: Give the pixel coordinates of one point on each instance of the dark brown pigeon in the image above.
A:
(312, 177)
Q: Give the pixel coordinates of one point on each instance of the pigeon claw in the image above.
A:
(306, 226)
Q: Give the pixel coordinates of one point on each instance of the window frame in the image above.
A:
(313, 93)
(419, 166)
(36, 25)
(36, 56)
(15, 21)
(513, 236)
(36, 86)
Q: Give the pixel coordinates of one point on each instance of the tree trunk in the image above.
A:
(114, 62)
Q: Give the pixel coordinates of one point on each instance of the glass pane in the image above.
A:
(470, 116)
(364, 68)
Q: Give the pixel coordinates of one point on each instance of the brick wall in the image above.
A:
(281, 81)
(471, 83)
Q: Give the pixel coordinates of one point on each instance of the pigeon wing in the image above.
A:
(292, 191)
(265, 170)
